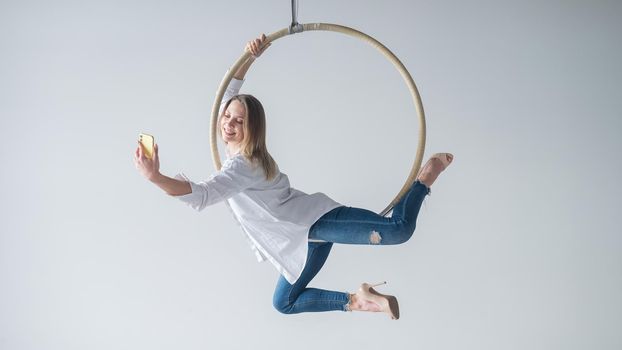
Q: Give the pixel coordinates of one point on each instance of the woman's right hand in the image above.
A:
(258, 46)
(149, 168)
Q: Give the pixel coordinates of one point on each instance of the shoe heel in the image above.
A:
(377, 284)
(388, 303)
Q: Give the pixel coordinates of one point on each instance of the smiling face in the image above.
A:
(232, 124)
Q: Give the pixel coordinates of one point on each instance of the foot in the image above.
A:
(434, 167)
(368, 299)
(359, 303)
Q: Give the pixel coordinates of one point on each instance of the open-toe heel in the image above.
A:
(445, 158)
(430, 176)
(388, 303)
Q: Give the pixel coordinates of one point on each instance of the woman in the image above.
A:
(295, 231)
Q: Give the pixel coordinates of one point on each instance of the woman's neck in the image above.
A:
(232, 149)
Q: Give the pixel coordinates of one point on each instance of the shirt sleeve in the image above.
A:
(233, 89)
(236, 175)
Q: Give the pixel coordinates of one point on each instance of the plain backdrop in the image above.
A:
(518, 246)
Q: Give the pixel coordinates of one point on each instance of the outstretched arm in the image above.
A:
(150, 169)
(172, 186)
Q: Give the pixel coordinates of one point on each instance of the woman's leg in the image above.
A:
(296, 298)
(344, 225)
(360, 226)
(355, 226)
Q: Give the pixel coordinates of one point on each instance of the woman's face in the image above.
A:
(232, 122)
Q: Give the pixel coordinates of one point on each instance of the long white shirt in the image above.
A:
(274, 216)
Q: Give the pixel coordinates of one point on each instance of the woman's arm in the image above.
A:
(256, 48)
(172, 186)
(150, 168)
(241, 72)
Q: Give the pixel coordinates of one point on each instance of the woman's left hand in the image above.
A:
(148, 167)
(258, 46)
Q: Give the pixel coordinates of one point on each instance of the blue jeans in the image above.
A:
(346, 225)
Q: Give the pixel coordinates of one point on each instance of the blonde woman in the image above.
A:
(293, 230)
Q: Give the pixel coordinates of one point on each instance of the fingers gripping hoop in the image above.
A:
(359, 35)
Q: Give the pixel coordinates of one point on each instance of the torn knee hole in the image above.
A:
(375, 238)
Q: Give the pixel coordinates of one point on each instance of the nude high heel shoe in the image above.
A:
(445, 158)
(387, 303)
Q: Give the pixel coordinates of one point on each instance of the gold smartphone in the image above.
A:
(147, 141)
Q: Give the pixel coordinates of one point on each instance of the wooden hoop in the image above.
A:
(359, 35)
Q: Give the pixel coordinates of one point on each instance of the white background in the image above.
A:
(518, 246)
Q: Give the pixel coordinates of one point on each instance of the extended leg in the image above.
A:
(349, 225)
(360, 226)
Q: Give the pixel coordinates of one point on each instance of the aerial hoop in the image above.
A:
(351, 32)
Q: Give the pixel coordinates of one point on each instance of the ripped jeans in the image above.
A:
(346, 225)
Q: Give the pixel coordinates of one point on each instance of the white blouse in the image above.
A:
(275, 217)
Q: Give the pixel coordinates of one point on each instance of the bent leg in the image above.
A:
(361, 226)
(297, 298)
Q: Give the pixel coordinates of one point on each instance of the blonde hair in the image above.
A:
(253, 146)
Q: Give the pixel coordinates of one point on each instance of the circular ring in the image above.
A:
(359, 35)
